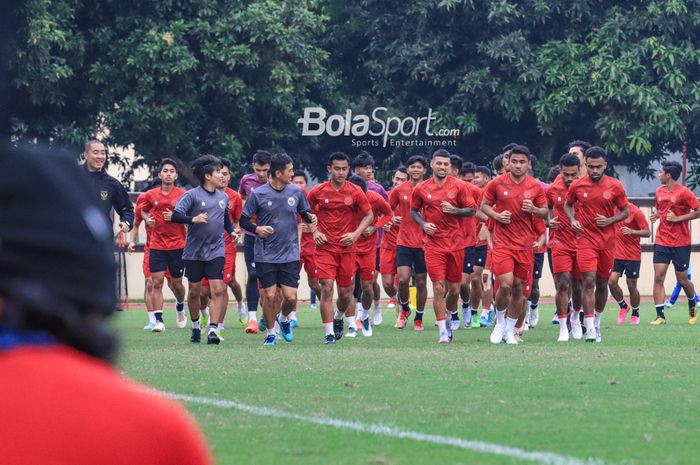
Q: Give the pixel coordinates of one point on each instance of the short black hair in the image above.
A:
(298, 173)
(206, 164)
(168, 161)
(441, 153)
(226, 162)
(508, 147)
(401, 169)
(553, 173)
(417, 159)
(522, 150)
(279, 162)
(483, 170)
(262, 157)
(595, 152)
(579, 143)
(467, 168)
(337, 156)
(456, 161)
(361, 160)
(569, 159)
(673, 168)
(497, 163)
(359, 181)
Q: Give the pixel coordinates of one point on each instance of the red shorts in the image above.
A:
(387, 261)
(337, 266)
(230, 266)
(599, 260)
(518, 262)
(147, 269)
(308, 261)
(527, 285)
(444, 265)
(366, 265)
(564, 260)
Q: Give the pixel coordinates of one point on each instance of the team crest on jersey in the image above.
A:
(673, 199)
(347, 200)
(104, 195)
(156, 203)
(269, 204)
(450, 195)
(527, 194)
(325, 200)
(222, 204)
(607, 195)
(558, 199)
(291, 201)
(585, 195)
(430, 196)
(405, 197)
(204, 204)
(505, 192)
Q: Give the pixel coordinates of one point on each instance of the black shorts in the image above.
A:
(680, 256)
(195, 270)
(628, 267)
(378, 258)
(160, 260)
(410, 256)
(538, 264)
(549, 260)
(278, 274)
(474, 256)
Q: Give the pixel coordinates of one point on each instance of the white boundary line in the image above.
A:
(545, 458)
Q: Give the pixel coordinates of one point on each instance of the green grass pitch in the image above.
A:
(630, 400)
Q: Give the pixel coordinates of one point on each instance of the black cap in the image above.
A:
(54, 242)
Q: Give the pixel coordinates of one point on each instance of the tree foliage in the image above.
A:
(183, 78)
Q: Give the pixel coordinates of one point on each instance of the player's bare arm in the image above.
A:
(571, 214)
(529, 207)
(604, 222)
(502, 217)
(350, 238)
(672, 218)
(429, 228)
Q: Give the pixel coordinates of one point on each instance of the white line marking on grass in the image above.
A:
(548, 458)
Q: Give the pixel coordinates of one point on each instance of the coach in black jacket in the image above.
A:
(108, 191)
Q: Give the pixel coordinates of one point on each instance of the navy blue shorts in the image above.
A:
(410, 256)
(474, 256)
(278, 274)
(680, 256)
(628, 267)
(195, 270)
(538, 264)
(160, 260)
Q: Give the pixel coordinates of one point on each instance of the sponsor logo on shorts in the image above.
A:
(291, 201)
(104, 195)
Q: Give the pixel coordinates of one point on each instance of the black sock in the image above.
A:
(179, 306)
(660, 311)
(474, 312)
(635, 311)
(691, 307)
(465, 305)
(405, 307)
(419, 315)
(622, 303)
(159, 316)
(455, 316)
(212, 327)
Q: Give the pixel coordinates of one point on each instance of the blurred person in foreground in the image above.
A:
(56, 294)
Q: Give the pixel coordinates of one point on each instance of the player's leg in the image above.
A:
(252, 293)
(453, 263)
(217, 305)
(289, 282)
(534, 298)
(516, 308)
(562, 283)
(194, 271)
(376, 290)
(662, 260)
(421, 283)
(635, 298)
(681, 260)
(616, 290)
(465, 289)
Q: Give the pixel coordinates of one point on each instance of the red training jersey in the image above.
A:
(335, 210)
(308, 245)
(165, 235)
(428, 196)
(563, 237)
(382, 215)
(629, 247)
(235, 208)
(410, 234)
(680, 201)
(592, 199)
(505, 194)
(52, 395)
(471, 223)
(389, 237)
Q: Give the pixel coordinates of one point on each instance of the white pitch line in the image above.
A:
(545, 458)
